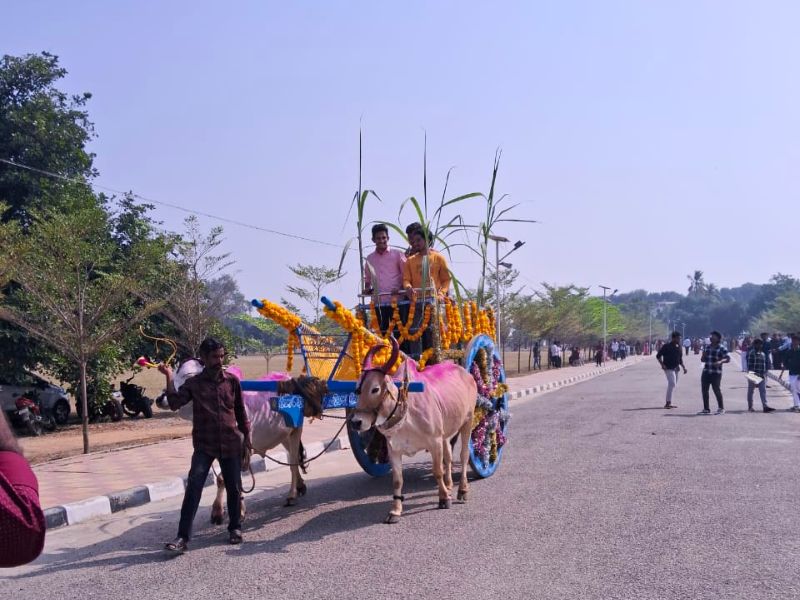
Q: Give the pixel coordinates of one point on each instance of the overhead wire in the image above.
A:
(169, 204)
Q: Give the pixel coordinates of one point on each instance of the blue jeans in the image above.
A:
(231, 472)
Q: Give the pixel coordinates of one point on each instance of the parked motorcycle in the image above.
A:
(100, 406)
(134, 400)
(28, 415)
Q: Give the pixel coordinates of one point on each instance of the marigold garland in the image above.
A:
(286, 319)
(423, 360)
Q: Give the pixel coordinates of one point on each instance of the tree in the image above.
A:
(195, 302)
(41, 127)
(73, 288)
(783, 316)
(316, 279)
(697, 285)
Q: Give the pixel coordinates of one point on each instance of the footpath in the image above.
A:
(78, 488)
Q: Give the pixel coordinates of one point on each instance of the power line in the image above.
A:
(169, 204)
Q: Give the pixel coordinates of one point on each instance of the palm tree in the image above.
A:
(697, 285)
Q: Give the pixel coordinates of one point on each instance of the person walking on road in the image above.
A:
(713, 357)
(687, 344)
(791, 361)
(220, 430)
(670, 358)
(757, 364)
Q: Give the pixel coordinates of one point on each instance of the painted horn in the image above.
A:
(393, 357)
(368, 358)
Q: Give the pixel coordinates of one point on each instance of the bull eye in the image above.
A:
(375, 390)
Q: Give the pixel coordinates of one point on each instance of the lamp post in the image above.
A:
(498, 261)
(605, 319)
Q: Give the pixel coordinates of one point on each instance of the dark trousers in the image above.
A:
(713, 380)
(537, 361)
(231, 472)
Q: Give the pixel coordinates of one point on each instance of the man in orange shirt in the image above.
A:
(416, 289)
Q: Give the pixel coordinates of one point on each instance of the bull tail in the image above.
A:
(303, 459)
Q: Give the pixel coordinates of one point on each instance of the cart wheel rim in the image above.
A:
(489, 436)
(361, 444)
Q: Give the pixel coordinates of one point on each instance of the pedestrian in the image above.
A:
(791, 362)
(713, 357)
(555, 355)
(537, 356)
(220, 431)
(615, 349)
(687, 345)
(598, 354)
(670, 358)
(757, 364)
(22, 524)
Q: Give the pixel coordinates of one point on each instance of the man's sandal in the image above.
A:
(178, 546)
(235, 537)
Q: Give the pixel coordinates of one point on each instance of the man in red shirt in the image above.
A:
(220, 430)
(22, 522)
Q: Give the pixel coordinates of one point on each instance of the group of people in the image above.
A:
(756, 362)
(390, 274)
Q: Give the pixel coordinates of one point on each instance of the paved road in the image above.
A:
(602, 494)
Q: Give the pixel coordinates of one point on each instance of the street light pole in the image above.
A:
(497, 262)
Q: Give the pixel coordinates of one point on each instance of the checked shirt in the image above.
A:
(757, 362)
(712, 355)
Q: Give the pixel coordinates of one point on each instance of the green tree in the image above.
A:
(73, 288)
(314, 279)
(40, 127)
(195, 301)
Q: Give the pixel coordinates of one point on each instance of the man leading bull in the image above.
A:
(220, 430)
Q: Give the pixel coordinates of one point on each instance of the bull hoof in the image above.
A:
(444, 503)
(302, 489)
(392, 519)
(290, 502)
(216, 519)
(462, 495)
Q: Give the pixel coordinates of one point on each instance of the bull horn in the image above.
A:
(393, 356)
(368, 358)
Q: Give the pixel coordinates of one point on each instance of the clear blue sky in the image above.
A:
(650, 139)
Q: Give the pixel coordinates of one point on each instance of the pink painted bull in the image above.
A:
(421, 421)
(267, 427)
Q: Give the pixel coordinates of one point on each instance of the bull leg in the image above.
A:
(216, 507)
(396, 459)
(465, 434)
(292, 446)
(438, 472)
(447, 464)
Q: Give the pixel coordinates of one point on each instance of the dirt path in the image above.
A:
(68, 440)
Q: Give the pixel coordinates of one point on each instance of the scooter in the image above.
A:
(29, 416)
(134, 400)
(100, 407)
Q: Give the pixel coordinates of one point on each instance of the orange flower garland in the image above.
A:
(361, 338)
(286, 319)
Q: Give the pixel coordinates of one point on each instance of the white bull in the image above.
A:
(267, 427)
(426, 420)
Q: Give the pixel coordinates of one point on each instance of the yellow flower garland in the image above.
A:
(286, 319)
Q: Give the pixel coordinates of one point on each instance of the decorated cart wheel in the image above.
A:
(370, 449)
(490, 424)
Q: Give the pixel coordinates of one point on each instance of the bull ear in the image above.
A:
(393, 357)
(368, 358)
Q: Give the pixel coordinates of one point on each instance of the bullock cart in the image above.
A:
(462, 333)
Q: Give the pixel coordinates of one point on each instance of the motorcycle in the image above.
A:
(28, 415)
(101, 406)
(134, 400)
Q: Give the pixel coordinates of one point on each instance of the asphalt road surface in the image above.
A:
(601, 494)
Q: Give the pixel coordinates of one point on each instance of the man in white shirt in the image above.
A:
(687, 344)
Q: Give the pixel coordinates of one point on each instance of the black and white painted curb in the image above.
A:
(98, 506)
(78, 512)
(549, 387)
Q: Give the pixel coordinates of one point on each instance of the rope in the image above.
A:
(313, 458)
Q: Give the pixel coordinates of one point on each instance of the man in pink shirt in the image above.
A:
(21, 519)
(383, 274)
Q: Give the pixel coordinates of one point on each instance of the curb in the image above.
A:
(548, 387)
(98, 506)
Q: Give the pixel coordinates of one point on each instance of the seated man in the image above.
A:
(383, 275)
(438, 281)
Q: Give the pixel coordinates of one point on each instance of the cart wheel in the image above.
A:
(370, 449)
(490, 432)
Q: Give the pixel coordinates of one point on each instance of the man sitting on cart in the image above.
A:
(383, 276)
(438, 278)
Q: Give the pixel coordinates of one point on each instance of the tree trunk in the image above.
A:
(85, 407)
